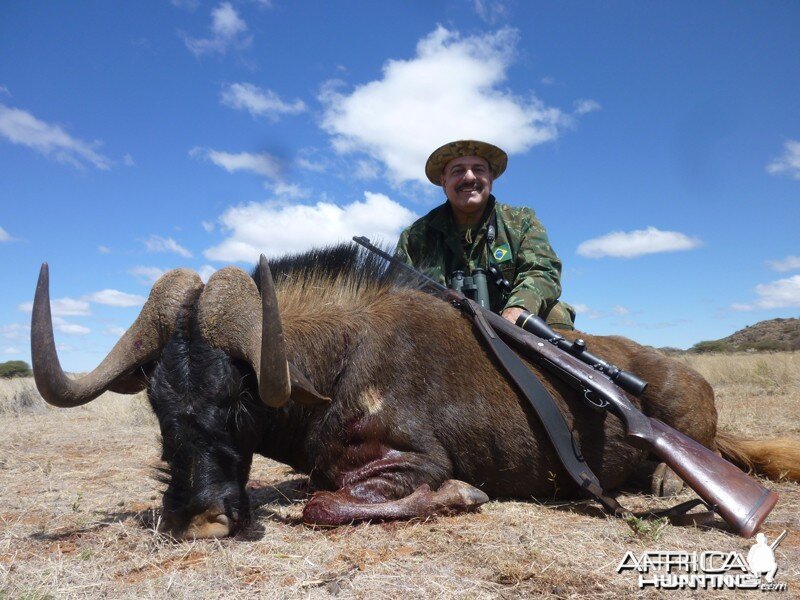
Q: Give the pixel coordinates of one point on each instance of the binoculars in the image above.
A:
(475, 287)
(472, 286)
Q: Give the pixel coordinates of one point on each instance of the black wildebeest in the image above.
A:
(379, 391)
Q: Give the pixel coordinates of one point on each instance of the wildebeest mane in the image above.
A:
(347, 264)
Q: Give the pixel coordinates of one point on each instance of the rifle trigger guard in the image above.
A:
(597, 403)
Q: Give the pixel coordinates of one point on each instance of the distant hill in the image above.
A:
(775, 334)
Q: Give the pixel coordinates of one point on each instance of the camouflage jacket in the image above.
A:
(520, 249)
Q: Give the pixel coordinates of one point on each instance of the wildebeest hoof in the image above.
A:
(461, 495)
(665, 482)
(212, 523)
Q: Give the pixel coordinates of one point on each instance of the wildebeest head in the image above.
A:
(183, 343)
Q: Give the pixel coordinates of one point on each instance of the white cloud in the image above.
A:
(62, 307)
(620, 310)
(288, 190)
(207, 271)
(259, 102)
(366, 170)
(148, 275)
(115, 331)
(4, 237)
(4, 90)
(68, 328)
(115, 298)
(783, 293)
(789, 162)
(15, 331)
(261, 164)
(21, 127)
(156, 243)
(584, 311)
(584, 107)
(11, 350)
(228, 30)
(622, 244)
(790, 263)
(281, 229)
(450, 90)
(489, 10)
(128, 161)
(208, 226)
(104, 250)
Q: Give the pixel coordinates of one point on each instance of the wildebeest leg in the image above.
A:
(348, 505)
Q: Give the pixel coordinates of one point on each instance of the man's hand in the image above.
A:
(512, 313)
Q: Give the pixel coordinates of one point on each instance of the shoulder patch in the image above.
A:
(501, 253)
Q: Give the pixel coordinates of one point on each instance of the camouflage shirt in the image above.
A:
(520, 249)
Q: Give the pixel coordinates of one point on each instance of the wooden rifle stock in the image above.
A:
(738, 498)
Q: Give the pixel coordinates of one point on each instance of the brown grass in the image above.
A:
(79, 507)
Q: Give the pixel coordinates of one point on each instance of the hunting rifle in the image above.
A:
(725, 489)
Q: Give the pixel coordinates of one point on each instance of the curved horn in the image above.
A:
(274, 384)
(140, 344)
(233, 317)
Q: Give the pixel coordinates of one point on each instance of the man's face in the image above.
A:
(467, 182)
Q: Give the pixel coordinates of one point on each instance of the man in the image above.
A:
(472, 230)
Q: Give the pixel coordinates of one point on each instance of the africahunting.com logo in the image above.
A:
(712, 570)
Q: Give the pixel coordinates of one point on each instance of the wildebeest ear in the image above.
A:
(303, 391)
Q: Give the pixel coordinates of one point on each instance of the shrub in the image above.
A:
(15, 368)
(710, 346)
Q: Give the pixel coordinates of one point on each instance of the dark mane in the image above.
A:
(345, 262)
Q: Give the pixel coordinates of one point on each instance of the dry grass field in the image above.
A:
(79, 507)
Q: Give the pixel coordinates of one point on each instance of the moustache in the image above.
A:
(477, 186)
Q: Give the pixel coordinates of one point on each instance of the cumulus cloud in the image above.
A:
(228, 30)
(21, 127)
(450, 90)
(115, 298)
(783, 293)
(156, 243)
(630, 244)
(790, 263)
(259, 102)
(280, 229)
(4, 237)
(789, 162)
(147, 275)
(262, 164)
(63, 307)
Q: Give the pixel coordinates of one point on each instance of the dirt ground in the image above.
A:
(79, 507)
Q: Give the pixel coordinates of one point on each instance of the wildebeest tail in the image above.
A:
(775, 458)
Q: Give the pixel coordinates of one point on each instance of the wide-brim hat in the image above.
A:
(437, 161)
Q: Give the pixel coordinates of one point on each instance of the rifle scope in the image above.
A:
(627, 381)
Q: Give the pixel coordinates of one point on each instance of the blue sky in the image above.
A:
(659, 143)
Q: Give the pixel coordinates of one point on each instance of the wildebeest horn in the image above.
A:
(274, 384)
(138, 345)
(233, 316)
